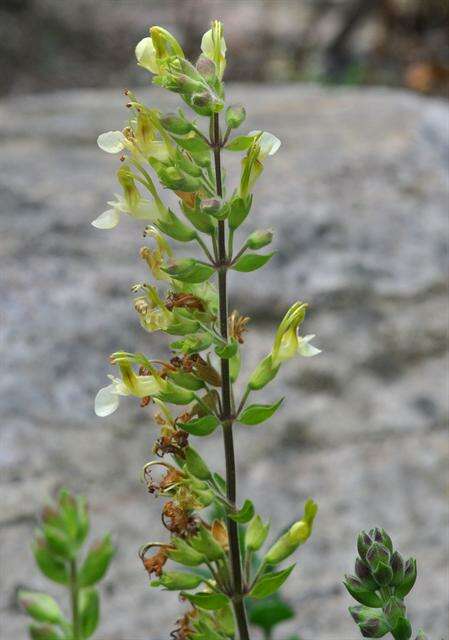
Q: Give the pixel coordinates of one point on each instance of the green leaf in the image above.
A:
(208, 601)
(270, 583)
(244, 514)
(228, 350)
(97, 562)
(40, 606)
(257, 413)
(270, 612)
(251, 261)
(193, 143)
(201, 426)
(240, 143)
(190, 270)
(52, 567)
(177, 581)
(89, 604)
(220, 481)
(196, 465)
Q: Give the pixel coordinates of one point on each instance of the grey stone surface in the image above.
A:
(358, 197)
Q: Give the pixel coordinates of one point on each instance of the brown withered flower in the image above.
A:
(173, 442)
(183, 629)
(187, 197)
(169, 481)
(205, 371)
(237, 326)
(178, 520)
(220, 533)
(155, 563)
(184, 300)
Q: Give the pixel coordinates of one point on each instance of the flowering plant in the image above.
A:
(174, 151)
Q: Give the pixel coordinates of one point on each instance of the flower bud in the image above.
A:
(259, 239)
(363, 543)
(421, 635)
(235, 115)
(256, 534)
(203, 99)
(398, 567)
(204, 542)
(377, 553)
(409, 579)
(380, 535)
(177, 581)
(177, 124)
(295, 536)
(359, 592)
(383, 574)
(40, 606)
(211, 206)
(43, 632)
(184, 554)
(206, 68)
(374, 628)
(364, 574)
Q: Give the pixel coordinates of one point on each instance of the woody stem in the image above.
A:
(228, 439)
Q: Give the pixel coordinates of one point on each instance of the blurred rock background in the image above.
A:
(358, 196)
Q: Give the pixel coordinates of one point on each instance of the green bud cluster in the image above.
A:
(59, 554)
(381, 582)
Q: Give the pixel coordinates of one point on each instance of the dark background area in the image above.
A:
(56, 44)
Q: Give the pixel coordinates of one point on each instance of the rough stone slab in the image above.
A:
(358, 196)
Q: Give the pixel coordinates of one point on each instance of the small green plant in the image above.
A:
(381, 582)
(220, 574)
(59, 554)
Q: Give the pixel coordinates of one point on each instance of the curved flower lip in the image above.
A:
(107, 398)
(146, 55)
(305, 348)
(107, 220)
(268, 143)
(111, 141)
(144, 210)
